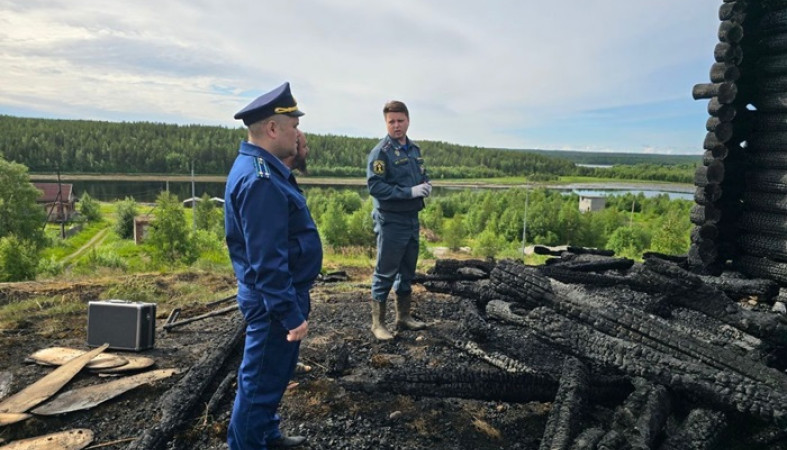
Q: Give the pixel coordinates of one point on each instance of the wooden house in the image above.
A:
(58, 200)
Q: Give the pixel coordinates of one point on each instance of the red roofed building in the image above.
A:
(57, 200)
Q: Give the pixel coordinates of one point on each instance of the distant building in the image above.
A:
(591, 203)
(141, 226)
(191, 201)
(57, 200)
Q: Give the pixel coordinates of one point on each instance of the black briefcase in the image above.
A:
(122, 324)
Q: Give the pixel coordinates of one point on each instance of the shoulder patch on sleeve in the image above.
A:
(378, 166)
(261, 167)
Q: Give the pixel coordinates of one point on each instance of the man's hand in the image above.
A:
(299, 333)
(421, 190)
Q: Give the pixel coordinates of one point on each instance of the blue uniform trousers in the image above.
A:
(268, 365)
(397, 253)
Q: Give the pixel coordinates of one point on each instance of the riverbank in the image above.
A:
(629, 185)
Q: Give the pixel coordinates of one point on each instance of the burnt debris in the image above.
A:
(678, 358)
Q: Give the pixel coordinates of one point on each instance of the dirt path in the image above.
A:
(93, 242)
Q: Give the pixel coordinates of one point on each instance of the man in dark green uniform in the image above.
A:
(398, 183)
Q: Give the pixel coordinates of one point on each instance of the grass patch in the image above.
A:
(24, 313)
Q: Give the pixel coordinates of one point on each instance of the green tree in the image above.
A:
(432, 217)
(90, 208)
(454, 232)
(168, 237)
(671, 236)
(488, 244)
(207, 216)
(20, 213)
(570, 221)
(629, 242)
(334, 227)
(125, 211)
(360, 227)
(18, 259)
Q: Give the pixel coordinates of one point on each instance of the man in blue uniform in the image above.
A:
(398, 183)
(276, 255)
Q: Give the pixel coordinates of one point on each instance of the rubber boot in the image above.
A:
(378, 321)
(403, 319)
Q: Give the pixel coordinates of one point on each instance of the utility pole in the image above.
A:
(524, 223)
(193, 201)
(59, 202)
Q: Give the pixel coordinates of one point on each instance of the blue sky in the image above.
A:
(595, 75)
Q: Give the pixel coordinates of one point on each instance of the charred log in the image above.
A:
(642, 416)
(702, 430)
(592, 263)
(722, 389)
(569, 407)
(182, 399)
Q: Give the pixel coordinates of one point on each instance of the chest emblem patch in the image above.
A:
(378, 167)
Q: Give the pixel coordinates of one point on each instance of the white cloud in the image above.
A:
(473, 73)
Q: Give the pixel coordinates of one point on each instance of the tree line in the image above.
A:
(82, 146)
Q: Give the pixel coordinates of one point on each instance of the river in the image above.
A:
(145, 188)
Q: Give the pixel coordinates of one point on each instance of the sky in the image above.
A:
(588, 75)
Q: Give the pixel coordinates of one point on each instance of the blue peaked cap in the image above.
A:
(277, 101)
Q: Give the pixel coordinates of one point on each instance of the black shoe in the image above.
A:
(287, 442)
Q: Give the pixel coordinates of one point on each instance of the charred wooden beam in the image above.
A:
(705, 214)
(592, 263)
(183, 398)
(448, 266)
(759, 244)
(770, 122)
(722, 389)
(738, 288)
(726, 52)
(706, 195)
(761, 266)
(723, 111)
(724, 92)
(704, 232)
(774, 181)
(772, 65)
(643, 415)
(701, 430)
(721, 72)
(710, 174)
(733, 11)
(765, 201)
(776, 103)
(456, 381)
(588, 439)
(568, 407)
(691, 291)
(730, 32)
(764, 222)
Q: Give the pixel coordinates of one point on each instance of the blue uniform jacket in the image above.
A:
(273, 242)
(391, 171)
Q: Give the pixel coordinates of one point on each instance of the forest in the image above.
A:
(82, 146)
(481, 222)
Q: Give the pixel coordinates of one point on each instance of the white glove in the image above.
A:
(420, 190)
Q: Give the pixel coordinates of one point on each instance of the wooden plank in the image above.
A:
(47, 386)
(9, 418)
(57, 356)
(76, 439)
(91, 396)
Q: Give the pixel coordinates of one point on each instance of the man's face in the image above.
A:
(397, 124)
(287, 136)
(299, 160)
